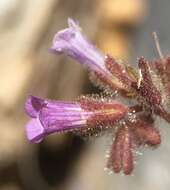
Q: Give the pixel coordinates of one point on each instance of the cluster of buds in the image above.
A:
(145, 93)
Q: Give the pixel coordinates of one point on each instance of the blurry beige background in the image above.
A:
(66, 162)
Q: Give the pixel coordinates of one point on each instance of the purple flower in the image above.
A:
(52, 116)
(72, 42)
(57, 116)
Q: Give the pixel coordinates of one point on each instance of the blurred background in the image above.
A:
(122, 28)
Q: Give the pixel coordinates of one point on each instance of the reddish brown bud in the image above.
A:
(119, 71)
(127, 157)
(121, 157)
(146, 133)
(147, 89)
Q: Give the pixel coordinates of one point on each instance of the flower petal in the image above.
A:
(35, 131)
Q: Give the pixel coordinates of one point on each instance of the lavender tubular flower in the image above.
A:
(72, 42)
(57, 116)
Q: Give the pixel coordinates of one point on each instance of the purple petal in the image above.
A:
(33, 105)
(72, 42)
(35, 131)
(56, 118)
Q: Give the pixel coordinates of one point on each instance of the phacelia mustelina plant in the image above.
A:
(135, 97)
